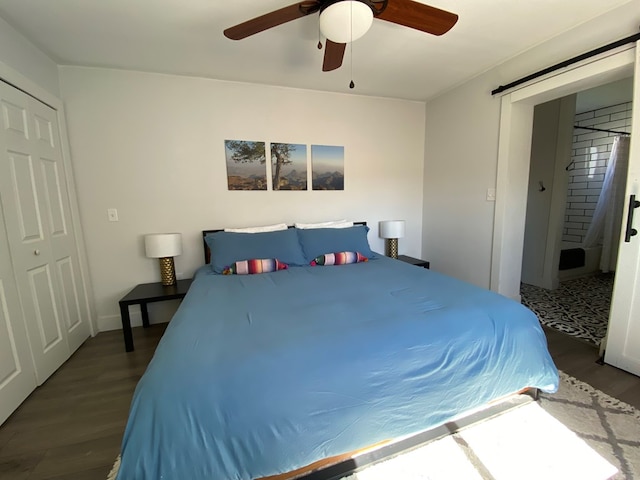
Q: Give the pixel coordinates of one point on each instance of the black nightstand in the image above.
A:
(414, 261)
(142, 295)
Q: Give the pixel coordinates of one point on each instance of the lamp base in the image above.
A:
(167, 271)
(392, 248)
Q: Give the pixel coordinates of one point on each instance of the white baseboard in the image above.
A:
(160, 312)
(114, 322)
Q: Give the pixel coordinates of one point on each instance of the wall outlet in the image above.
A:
(491, 194)
(112, 213)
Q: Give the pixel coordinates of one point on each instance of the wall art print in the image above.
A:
(327, 163)
(289, 166)
(246, 165)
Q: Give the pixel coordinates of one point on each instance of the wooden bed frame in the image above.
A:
(334, 468)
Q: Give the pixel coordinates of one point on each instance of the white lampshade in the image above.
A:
(391, 229)
(337, 24)
(162, 245)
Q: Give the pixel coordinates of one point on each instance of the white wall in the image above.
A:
(152, 146)
(543, 162)
(550, 154)
(21, 55)
(462, 147)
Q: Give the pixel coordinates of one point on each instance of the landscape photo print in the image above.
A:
(289, 166)
(246, 165)
(327, 167)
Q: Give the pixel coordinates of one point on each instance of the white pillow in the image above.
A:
(332, 224)
(267, 228)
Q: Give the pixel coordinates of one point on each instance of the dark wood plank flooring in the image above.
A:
(71, 427)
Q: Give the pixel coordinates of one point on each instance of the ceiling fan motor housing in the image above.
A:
(345, 21)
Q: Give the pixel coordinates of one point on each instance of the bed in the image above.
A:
(261, 375)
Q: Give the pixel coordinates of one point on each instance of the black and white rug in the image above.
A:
(579, 307)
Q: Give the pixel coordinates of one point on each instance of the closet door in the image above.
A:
(38, 227)
(54, 200)
(17, 378)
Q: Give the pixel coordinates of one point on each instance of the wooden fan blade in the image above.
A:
(419, 16)
(333, 55)
(269, 20)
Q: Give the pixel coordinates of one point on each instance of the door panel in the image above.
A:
(24, 188)
(53, 197)
(9, 360)
(15, 118)
(44, 131)
(71, 302)
(44, 308)
(17, 377)
(55, 202)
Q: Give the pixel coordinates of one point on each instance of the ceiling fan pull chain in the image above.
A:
(351, 84)
(319, 37)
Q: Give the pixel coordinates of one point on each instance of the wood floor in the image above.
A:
(71, 427)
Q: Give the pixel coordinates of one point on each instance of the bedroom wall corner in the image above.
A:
(152, 146)
(26, 61)
(459, 146)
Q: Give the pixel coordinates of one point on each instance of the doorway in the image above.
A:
(514, 146)
(564, 279)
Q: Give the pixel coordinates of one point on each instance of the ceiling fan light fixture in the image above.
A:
(336, 22)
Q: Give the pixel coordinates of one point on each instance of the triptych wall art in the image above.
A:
(288, 168)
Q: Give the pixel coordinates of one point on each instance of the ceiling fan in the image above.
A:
(342, 21)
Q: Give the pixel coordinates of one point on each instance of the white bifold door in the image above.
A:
(17, 376)
(40, 234)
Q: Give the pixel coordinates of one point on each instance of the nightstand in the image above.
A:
(414, 261)
(142, 295)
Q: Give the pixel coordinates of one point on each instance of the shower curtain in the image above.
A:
(607, 219)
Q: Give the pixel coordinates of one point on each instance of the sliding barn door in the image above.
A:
(623, 335)
(41, 241)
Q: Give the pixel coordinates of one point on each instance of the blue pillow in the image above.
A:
(318, 241)
(228, 248)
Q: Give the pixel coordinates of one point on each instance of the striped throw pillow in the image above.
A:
(249, 267)
(339, 258)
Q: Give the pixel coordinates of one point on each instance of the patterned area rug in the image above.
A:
(579, 432)
(609, 426)
(579, 307)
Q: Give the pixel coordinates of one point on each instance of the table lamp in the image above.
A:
(164, 246)
(392, 230)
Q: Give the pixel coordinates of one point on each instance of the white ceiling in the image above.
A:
(185, 37)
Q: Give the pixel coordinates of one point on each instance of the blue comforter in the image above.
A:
(263, 374)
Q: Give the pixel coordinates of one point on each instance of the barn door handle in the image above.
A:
(633, 204)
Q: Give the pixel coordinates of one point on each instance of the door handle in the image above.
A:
(630, 232)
